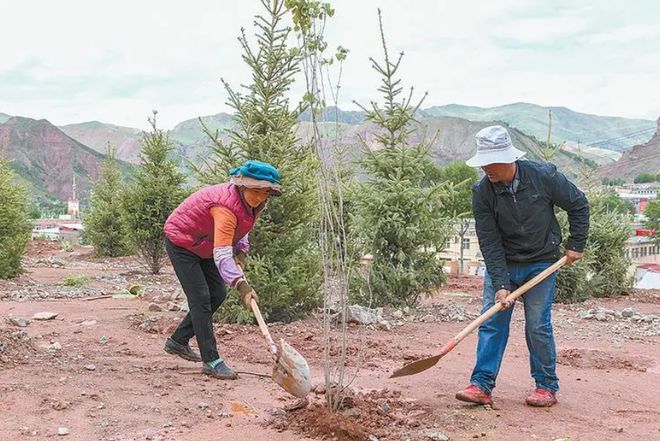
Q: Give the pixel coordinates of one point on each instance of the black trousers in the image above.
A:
(205, 291)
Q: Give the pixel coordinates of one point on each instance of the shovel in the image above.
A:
(290, 369)
(423, 364)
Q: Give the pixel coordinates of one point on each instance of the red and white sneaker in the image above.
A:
(474, 394)
(541, 398)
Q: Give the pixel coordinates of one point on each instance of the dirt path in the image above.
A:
(98, 369)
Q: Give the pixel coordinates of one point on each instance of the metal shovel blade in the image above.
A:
(417, 366)
(291, 371)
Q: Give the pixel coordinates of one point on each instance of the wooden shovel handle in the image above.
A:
(497, 307)
(262, 326)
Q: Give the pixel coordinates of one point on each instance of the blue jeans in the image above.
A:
(494, 333)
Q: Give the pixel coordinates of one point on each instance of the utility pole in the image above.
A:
(548, 149)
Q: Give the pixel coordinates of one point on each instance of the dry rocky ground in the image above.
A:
(96, 370)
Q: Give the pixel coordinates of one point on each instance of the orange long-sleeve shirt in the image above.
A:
(224, 227)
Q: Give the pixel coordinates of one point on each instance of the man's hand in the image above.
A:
(241, 260)
(572, 256)
(500, 296)
(247, 294)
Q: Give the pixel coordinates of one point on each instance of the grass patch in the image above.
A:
(76, 281)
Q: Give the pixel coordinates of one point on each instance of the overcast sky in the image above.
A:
(79, 60)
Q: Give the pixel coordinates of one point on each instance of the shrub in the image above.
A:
(14, 224)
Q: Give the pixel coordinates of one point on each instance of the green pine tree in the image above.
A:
(157, 190)
(603, 272)
(284, 261)
(400, 206)
(461, 177)
(14, 224)
(652, 214)
(104, 224)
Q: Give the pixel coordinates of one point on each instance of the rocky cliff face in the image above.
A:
(47, 158)
(642, 158)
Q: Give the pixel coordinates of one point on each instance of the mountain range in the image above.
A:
(641, 158)
(46, 157)
(606, 132)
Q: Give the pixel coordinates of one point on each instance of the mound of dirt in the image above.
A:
(595, 359)
(154, 324)
(379, 413)
(15, 348)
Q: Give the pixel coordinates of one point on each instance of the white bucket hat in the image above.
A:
(494, 147)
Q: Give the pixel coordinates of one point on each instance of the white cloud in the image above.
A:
(76, 60)
(624, 34)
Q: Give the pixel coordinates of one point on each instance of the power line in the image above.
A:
(624, 137)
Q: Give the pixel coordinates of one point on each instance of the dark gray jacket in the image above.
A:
(521, 227)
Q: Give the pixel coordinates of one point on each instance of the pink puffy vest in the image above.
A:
(190, 225)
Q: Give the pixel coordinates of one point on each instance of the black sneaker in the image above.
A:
(183, 351)
(220, 371)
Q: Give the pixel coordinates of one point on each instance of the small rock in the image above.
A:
(185, 424)
(584, 314)
(55, 346)
(436, 436)
(88, 323)
(155, 307)
(55, 261)
(428, 318)
(224, 415)
(319, 389)
(362, 315)
(373, 438)
(60, 405)
(203, 405)
(168, 424)
(277, 412)
(44, 315)
(18, 321)
(171, 306)
(406, 310)
(619, 429)
(601, 317)
(63, 431)
(385, 407)
(90, 367)
(353, 412)
(397, 315)
(385, 325)
(628, 312)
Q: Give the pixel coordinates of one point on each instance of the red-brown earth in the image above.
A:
(98, 368)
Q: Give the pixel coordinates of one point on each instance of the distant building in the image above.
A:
(639, 194)
(642, 249)
(473, 260)
(647, 276)
(57, 229)
(73, 205)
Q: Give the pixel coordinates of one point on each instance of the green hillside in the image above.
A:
(607, 132)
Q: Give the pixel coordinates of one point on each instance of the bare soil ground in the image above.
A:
(98, 371)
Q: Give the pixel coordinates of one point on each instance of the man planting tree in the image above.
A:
(519, 237)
